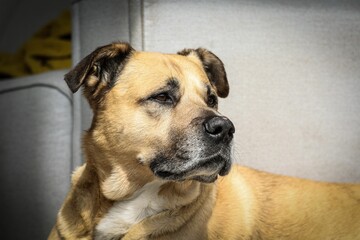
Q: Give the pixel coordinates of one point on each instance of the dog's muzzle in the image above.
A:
(201, 154)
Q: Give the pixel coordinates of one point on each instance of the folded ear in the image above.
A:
(99, 70)
(213, 67)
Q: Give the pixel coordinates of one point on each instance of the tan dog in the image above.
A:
(154, 152)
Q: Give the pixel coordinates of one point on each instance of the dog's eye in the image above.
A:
(212, 101)
(162, 98)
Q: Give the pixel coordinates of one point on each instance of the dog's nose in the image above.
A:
(219, 128)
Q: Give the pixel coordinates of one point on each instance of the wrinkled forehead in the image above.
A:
(146, 71)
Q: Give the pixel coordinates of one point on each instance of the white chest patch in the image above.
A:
(123, 214)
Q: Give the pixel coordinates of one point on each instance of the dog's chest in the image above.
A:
(123, 214)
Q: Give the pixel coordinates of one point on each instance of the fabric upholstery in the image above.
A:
(35, 152)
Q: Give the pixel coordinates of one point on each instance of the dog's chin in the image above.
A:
(183, 176)
(206, 179)
(206, 172)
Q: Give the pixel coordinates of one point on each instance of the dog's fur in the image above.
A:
(154, 171)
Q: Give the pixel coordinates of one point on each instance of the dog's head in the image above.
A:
(158, 110)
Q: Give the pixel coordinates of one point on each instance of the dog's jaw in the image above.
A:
(204, 169)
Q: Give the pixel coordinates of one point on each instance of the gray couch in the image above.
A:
(294, 72)
(35, 152)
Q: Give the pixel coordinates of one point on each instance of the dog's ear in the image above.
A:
(213, 67)
(98, 71)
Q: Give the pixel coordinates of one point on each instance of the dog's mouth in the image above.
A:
(205, 170)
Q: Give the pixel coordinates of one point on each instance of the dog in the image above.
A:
(158, 161)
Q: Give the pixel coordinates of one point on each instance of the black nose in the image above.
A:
(219, 128)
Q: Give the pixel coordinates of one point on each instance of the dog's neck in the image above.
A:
(143, 203)
(153, 198)
(117, 181)
(190, 200)
(99, 192)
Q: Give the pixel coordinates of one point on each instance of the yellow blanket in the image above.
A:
(48, 49)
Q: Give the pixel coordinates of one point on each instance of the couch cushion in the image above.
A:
(35, 153)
